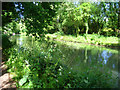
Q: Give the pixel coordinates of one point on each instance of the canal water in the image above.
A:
(78, 56)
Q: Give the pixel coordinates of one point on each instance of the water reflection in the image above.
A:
(79, 58)
(113, 65)
(20, 41)
(84, 57)
(106, 55)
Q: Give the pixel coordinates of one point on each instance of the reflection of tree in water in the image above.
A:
(86, 56)
(105, 54)
(108, 59)
(89, 57)
(113, 62)
(80, 58)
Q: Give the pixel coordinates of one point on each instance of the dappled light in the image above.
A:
(60, 44)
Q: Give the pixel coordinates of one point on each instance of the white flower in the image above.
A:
(60, 73)
(26, 62)
(59, 69)
(56, 80)
(61, 38)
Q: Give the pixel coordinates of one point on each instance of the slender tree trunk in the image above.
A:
(85, 60)
(77, 31)
(99, 31)
(87, 27)
(74, 32)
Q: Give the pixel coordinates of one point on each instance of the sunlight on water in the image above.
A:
(106, 55)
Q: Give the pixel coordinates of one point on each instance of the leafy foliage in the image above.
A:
(8, 12)
(108, 31)
(6, 42)
(88, 38)
(37, 67)
(65, 17)
(11, 28)
(38, 15)
(86, 17)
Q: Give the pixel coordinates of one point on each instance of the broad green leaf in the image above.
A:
(23, 80)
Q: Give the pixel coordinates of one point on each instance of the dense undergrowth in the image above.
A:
(36, 67)
(6, 42)
(6, 45)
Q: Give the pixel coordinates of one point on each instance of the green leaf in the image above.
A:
(5, 13)
(86, 81)
(23, 80)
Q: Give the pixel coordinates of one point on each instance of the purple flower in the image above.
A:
(5, 32)
(13, 34)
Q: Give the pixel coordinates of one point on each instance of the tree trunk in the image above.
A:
(77, 31)
(87, 27)
(74, 32)
(99, 31)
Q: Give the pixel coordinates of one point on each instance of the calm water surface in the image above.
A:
(79, 56)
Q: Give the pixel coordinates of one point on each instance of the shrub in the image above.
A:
(6, 42)
(12, 27)
(108, 31)
(59, 33)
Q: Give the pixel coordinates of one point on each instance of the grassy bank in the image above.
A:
(93, 39)
(82, 45)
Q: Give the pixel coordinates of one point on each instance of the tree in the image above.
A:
(84, 10)
(8, 13)
(38, 15)
(74, 16)
(65, 16)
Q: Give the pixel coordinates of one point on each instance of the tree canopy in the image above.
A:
(65, 17)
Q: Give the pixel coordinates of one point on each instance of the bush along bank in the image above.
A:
(35, 68)
(93, 39)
